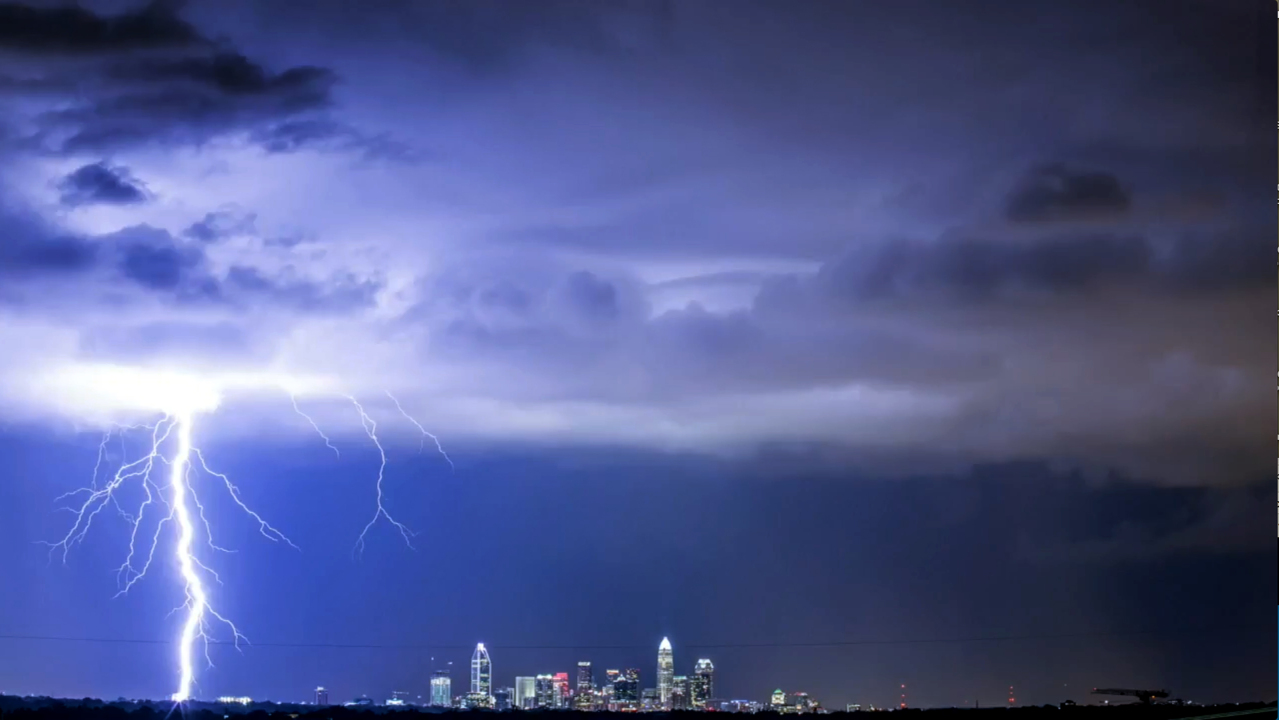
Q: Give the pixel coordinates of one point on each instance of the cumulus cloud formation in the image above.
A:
(639, 250)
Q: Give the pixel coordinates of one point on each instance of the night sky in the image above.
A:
(939, 329)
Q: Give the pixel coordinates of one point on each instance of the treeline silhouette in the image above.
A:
(30, 708)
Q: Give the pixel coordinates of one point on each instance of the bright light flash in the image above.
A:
(182, 508)
(180, 398)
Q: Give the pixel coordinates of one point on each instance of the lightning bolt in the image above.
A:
(425, 433)
(370, 429)
(181, 509)
(172, 505)
(318, 431)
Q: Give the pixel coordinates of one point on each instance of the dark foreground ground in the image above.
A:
(25, 708)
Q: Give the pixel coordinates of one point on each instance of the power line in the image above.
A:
(713, 646)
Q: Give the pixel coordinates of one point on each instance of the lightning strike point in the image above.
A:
(179, 507)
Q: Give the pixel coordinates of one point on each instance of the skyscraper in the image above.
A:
(321, 696)
(481, 672)
(702, 684)
(679, 693)
(585, 683)
(665, 672)
(441, 689)
(502, 698)
(525, 692)
(545, 687)
(626, 689)
(560, 681)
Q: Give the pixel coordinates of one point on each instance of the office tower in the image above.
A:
(665, 672)
(702, 685)
(586, 700)
(502, 698)
(679, 693)
(441, 689)
(560, 681)
(650, 700)
(545, 691)
(525, 692)
(626, 690)
(779, 700)
(321, 697)
(481, 672)
(585, 683)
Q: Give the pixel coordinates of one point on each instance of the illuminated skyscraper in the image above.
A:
(321, 697)
(560, 681)
(502, 698)
(626, 689)
(665, 672)
(545, 686)
(779, 700)
(702, 685)
(679, 693)
(585, 683)
(441, 689)
(481, 672)
(525, 692)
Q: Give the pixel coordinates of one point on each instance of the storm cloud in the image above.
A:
(670, 226)
(147, 77)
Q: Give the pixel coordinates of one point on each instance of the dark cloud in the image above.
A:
(186, 90)
(30, 248)
(230, 74)
(100, 183)
(1057, 193)
(974, 270)
(152, 259)
(328, 134)
(73, 29)
(220, 224)
(186, 101)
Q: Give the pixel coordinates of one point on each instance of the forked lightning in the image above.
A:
(174, 502)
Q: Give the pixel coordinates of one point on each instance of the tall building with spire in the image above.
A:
(481, 672)
(665, 673)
